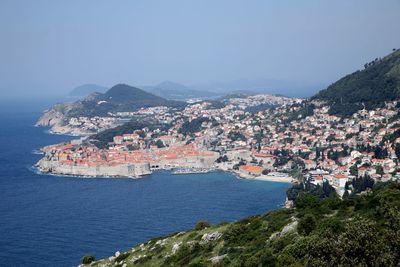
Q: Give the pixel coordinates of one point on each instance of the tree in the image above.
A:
(379, 170)
(193, 126)
(327, 189)
(317, 153)
(362, 183)
(306, 224)
(160, 144)
(142, 134)
(294, 191)
(397, 150)
(306, 200)
(200, 225)
(223, 158)
(360, 244)
(354, 170)
(331, 138)
(380, 153)
(132, 147)
(87, 259)
(265, 172)
(236, 136)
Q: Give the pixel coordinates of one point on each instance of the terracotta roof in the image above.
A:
(251, 168)
(262, 155)
(340, 176)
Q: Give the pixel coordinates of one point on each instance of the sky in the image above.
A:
(50, 47)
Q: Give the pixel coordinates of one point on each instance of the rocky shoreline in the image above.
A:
(57, 124)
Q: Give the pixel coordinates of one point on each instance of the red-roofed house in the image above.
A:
(339, 180)
(251, 169)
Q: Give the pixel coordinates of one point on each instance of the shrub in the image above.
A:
(122, 256)
(307, 224)
(87, 259)
(306, 200)
(202, 225)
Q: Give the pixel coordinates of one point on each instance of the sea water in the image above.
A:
(48, 220)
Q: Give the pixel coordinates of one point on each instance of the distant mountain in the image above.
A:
(87, 89)
(264, 86)
(120, 98)
(176, 91)
(369, 88)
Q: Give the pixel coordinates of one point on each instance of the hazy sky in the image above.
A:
(52, 46)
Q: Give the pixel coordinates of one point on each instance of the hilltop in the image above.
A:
(359, 231)
(369, 88)
(119, 98)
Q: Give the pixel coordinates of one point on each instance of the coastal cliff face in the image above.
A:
(61, 119)
(57, 120)
(51, 117)
(54, 116)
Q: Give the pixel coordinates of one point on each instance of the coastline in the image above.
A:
(50, 170)
(266, 178)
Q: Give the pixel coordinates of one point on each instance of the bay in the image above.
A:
(53, 221)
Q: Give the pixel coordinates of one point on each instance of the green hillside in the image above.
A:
(369, 88)
(119, 98)
(360, 231)
(102, 138)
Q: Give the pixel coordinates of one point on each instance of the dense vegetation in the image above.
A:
(193, 126)
(369, 88)
(304, 110)
(320, 191)
(258, 108)
(102, 139)
(359, 231)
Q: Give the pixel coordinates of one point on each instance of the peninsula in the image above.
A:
(341, 144)
(161, 137)
(317, 139)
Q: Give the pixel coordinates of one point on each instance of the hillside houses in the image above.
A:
(279, 139)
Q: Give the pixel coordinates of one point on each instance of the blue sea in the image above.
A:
(53, 221)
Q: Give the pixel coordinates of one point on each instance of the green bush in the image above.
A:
(307, 224)
(87, 259)
(202, 225)
(122, 256)
(306, 200)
